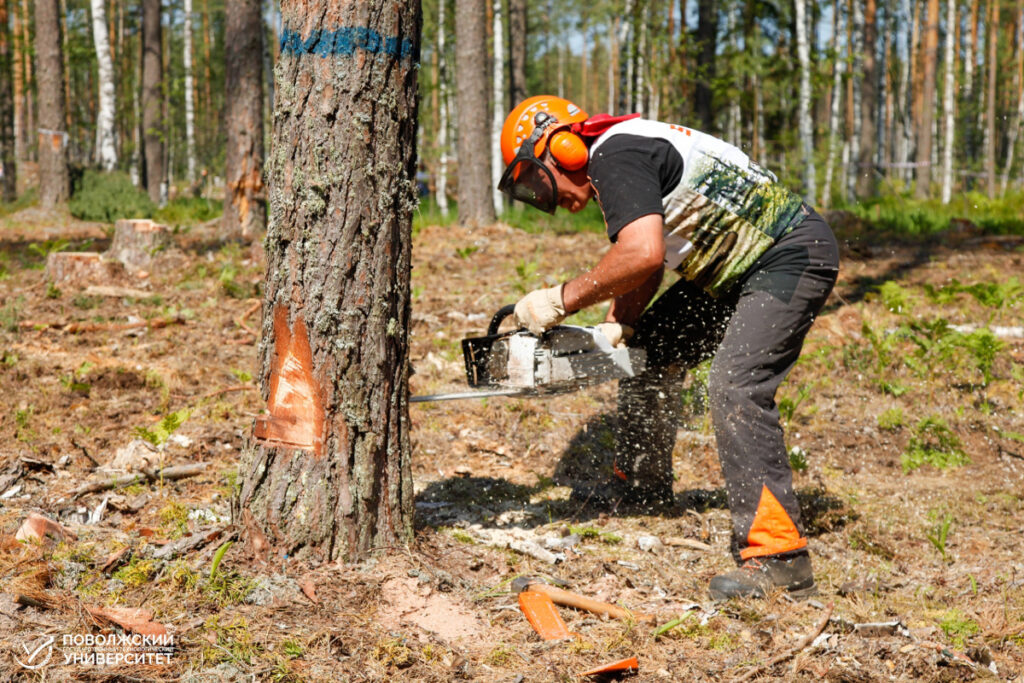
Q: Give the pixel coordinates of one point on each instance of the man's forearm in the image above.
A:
(632, 260)
(626, 309)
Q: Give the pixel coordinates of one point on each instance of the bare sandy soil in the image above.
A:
(909, 436)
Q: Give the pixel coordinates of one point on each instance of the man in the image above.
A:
(756, 266)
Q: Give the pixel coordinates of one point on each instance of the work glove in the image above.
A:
(540, 310)
(616, 333)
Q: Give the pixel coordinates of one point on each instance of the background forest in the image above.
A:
(848, 101)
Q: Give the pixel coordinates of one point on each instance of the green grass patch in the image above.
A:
(188, 211)
(958, 627)
(106, 197)
(891, 420)
(935, 444)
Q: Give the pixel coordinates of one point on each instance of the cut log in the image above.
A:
(137, 241)
(80, 269)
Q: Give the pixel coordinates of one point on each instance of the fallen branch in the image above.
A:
(804, 642)
(75, 328)
(240, 321)
(218, 392)
(172, 473)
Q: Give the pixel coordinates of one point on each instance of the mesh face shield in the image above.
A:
(527, 178)
(530, 181)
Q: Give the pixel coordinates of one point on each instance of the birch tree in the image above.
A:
(838, 65)
(441, 191)
(106, 150)
(497, 108)
(948, 104)
(804, 116)
(190, 111)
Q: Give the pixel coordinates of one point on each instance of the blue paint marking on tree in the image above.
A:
(344, 42)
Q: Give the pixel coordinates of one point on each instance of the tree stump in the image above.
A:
(79, 269)
(137, 241)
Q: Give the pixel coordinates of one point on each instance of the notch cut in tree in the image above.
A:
(327, 472)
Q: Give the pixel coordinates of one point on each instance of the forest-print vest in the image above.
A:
(725, 211)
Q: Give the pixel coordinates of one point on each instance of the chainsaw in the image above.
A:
(518, 363)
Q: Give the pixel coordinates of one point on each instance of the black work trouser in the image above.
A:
(755, 335)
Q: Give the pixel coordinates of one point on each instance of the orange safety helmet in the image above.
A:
(568, 149)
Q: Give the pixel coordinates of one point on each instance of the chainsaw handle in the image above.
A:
(499, 317)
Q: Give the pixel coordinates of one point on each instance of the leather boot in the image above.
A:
(757, 576)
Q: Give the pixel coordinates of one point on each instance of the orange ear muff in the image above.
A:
(569, 150)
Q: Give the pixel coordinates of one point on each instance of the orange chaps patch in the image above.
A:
(772, 530)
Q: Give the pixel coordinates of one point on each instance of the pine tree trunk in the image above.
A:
(1018, 116)
(624, 41)
(804, 116)
(106, 151)
(244, 200)
(707, 33)
(476, 206)
(152, 99)
(18, 84)
(517, 31)
(31, 86)
(327, 475)
(209, 126)
(190, 108)
(924, 130)
(948, 104)
(497, 107)
(8, 164)
(868, 105)
(992, 32)
(53, 161)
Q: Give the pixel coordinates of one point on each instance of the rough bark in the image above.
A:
(152, 99)
(868, 105)
(190, 107)
(8, 163)
(707, 34)
(924, 130)
(474, 174)
(244, 198)
(18, 84)
(517, 38)
(992, 33)
(327, 474)
(31, 85)
(106, 151)
(804, 116)
(53, 161)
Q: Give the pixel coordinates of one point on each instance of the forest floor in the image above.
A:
(907, 433)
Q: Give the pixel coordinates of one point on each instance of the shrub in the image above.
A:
(188, 211)
(107, 197)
